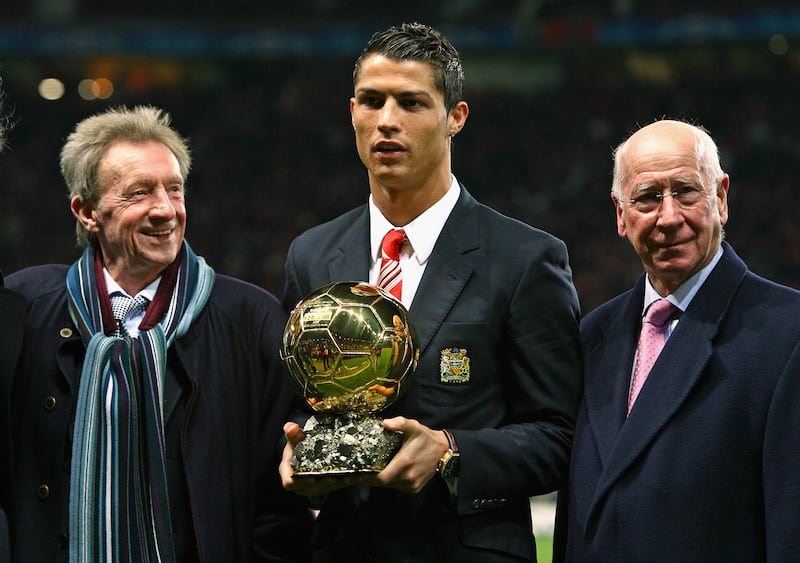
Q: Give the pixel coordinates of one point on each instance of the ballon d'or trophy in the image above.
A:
(350, 351)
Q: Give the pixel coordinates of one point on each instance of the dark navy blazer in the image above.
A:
(707, 465)
(502, 291)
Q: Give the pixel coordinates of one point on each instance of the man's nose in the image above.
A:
(163, 205)
(389, 116)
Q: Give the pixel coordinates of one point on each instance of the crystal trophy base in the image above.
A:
(344, 444)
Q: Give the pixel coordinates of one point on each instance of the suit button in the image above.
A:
(43, 492)
(65, 332)
(49, 403)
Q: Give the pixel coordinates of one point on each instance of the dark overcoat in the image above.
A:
(706, 466)
(225, 401)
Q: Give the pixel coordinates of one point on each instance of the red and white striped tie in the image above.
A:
(390, 277)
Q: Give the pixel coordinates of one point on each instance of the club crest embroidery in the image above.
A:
(454, 366)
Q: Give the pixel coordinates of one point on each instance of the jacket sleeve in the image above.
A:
(782, 465)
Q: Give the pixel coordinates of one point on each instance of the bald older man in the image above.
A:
(686, 444)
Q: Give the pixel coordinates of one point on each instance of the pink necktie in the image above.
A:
(390, 278)
(651, 341)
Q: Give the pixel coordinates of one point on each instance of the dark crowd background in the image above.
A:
(261, 91)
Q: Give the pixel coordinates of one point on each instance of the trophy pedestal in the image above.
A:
(344, 444)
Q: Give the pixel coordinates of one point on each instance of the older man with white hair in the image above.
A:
(686, 443)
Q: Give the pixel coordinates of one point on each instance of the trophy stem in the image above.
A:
(344, 444)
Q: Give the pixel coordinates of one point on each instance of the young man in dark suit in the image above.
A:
(486, 293)
(697, 459)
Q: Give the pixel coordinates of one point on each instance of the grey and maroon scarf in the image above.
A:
(119, 508)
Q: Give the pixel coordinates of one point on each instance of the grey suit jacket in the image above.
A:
(706, 466)
(501, 291)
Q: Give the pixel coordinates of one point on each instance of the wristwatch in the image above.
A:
(448, 465)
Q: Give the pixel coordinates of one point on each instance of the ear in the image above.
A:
(352, 105)
(85, 213)
(722, 198)
(457, 118)
(621, 230)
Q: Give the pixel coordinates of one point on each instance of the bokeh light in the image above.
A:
(51, 89)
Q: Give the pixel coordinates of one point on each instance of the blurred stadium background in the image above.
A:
(261, 90)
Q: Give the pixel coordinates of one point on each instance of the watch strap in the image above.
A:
(451, 440)
(448, 464)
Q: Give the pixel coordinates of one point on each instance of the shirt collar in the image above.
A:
(684, 294)
(422, 232)
(113, 287)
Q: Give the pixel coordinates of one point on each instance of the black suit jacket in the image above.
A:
(502, 291)
(706, 466)
(12, 319)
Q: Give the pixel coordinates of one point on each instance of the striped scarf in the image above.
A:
(119, 507)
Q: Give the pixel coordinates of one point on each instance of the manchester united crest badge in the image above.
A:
(454, 366)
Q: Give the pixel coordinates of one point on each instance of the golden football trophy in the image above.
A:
(350, 351)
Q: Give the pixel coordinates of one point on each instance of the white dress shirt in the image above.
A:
(421, 233)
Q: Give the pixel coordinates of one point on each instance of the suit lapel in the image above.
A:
(677, 370)
(173, 391)
(69, 346)
(610, 362)
(448, 269)
(446, 273)
(351, 260)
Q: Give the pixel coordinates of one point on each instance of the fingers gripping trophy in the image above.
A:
(350, 351)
